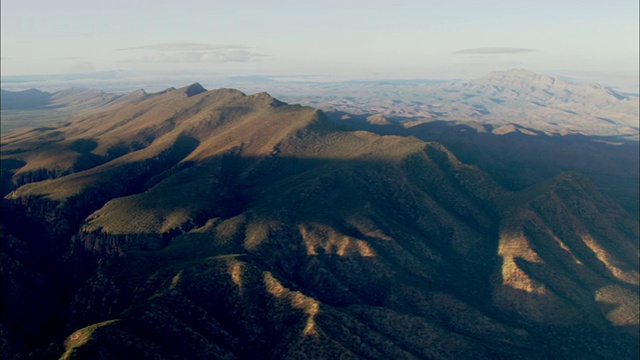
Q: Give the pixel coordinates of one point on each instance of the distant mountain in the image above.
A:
(520, 98)
(27, 99)
(524, 83)
(35, 108)
(545, 100)
(79, 99)
(516, 99)
(34, 99)
(211, 224)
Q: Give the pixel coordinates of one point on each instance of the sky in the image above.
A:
(355, 39)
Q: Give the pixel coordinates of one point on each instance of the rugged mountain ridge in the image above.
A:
(518, 157)
(215, 224)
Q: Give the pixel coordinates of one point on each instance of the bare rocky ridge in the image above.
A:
(212, 224)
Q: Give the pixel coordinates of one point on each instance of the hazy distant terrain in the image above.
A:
(212, 224)
(35, 108)
(518, 97)
(521, 98)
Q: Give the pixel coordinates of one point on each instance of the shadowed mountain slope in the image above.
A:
(520, 157)
(211, 224)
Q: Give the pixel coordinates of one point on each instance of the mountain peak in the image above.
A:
(264, 97)
(228, 91)
(132, 96)
(136, 93)
(194, 89)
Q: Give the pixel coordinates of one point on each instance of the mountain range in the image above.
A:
(211, 224)
(504, 99)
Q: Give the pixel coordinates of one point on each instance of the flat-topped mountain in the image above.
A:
(543, 98)
(213, 224)
(529, 83)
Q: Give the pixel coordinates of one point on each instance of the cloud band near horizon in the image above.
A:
(493, 51)
(184, 46)
(185, 52)
(218, 56)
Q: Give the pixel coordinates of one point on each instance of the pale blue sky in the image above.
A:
(357, 39)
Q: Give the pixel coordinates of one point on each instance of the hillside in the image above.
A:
(211, 224)
(518, 157)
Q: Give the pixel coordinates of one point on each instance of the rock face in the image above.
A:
(211, 224)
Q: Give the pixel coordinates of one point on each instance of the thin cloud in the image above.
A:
(81, 67)
(484, 61)
(214, 56)
(183, 46)
(67, 58)
(493, 50)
